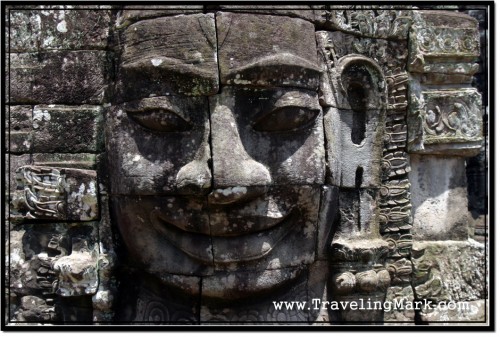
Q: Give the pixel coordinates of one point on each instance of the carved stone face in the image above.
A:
(216, 148)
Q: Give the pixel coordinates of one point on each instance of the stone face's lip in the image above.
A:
(228, 249)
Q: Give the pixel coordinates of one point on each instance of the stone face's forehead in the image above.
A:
(171, 54)
(266, 50)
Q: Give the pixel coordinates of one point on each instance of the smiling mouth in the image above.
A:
(228, 244)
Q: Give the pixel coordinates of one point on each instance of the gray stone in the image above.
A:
(63, 129)
(86, 161)
(169, 55)
(461, 313)
(63, 77)
(396, 295)
(261, 50)
(443, 42)
(276, 143)
(387, 23)
(134, 13)
(159, 145)
(446, 122)
(45, 29)
(19, 126)
(58, 193)
(449, 271)
(439, 198)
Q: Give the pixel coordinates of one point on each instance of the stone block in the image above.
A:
(159, 145)
(176, 54)
(63, 129)
(58, 193)
(447, 122)
(262, 233)
(443, 42)
(461, 314)
(134, 13)
(255, 309)
(299, 11)
(449, 271)
(69, 29)
(439, 198)
(165, 234)
(383, 23)
(396, 295)
(262, 50)
(264, 137)
(86, 161)
(19, 126)
(64, 77)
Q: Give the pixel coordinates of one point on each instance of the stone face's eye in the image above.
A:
(160, 120)
(286, 118)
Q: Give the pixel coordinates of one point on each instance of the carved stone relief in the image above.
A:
(238, 157)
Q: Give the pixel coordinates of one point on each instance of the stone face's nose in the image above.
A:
(236, 175)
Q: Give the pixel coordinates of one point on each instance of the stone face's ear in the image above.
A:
(355, 96)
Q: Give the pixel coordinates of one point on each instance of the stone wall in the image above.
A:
(144, 184)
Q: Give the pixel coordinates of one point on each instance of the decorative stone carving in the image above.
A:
(446, 122)
(443, 42)
(255, 156)
(387, 23)
(62, 194)
(441, 277)
(77, 271)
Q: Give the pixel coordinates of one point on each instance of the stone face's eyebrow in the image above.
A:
(266, 50)
(169, 54)
(276, 70)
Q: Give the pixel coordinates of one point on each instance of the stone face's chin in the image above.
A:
(184, 236)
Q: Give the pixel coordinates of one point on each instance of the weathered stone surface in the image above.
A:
(215, 199)
(62, 129)
(399, 295)
(450, 271)
(439, 198)
(261, 50)
(461, 313)
(77, 272)
(57, 77)
(388, 23)
(86, 161)
(390, 55)
(445, 122)
(169, 54)
(249, 310)
(16, 206)
(443, 42)
(35, 309)
(134, 13)
(159, 145)
(44, 29)
(58, 193)
(267, 229)
(19, 126)
(163, 239)
(300, 11)
(279, 142)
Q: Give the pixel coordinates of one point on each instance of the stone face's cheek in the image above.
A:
(159, 233)
(279, 129)
(144, 160)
